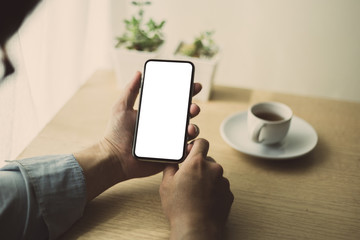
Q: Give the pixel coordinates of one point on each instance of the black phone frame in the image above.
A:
(163, 160)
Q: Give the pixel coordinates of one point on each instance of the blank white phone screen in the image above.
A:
(163, 111)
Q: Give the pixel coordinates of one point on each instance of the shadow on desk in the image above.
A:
(296, 165)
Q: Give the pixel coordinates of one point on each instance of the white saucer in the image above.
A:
(301, 138)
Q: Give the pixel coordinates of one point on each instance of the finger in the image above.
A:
(194, 110)
(131, 91)
(197, 88)
(193, 131)
(169, 171)
(201, 146)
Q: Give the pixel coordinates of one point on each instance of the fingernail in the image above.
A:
(197, 130)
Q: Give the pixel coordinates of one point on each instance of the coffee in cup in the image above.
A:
(269, 122)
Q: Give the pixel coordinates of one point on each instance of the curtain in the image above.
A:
(59, 46)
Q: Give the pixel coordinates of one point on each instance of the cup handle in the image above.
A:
(256, 133)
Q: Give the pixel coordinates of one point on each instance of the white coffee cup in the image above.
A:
(269, 122)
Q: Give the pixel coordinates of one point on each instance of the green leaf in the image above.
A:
(139, 36)
(161, 24)
(134, 21)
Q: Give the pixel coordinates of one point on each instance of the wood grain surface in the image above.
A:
(316, 196)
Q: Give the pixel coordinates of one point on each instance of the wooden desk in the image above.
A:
(316, 196)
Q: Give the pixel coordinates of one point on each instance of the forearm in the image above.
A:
(101, 169)
(41, 196)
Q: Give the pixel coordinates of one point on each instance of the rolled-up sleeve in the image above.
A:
(40, 197)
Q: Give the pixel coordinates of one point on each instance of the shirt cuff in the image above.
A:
(59, 185)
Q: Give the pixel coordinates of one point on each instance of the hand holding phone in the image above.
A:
(163, 114)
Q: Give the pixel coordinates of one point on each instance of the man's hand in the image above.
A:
(110, 160)
(196, 198)
(120, 132)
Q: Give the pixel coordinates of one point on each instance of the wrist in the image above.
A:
(194, 228)
(101, 168)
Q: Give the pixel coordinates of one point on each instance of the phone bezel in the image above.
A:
(187, 117)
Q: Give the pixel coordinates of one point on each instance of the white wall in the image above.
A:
(308, 47)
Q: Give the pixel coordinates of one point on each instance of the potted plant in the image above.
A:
(140, 41)
(203, 52)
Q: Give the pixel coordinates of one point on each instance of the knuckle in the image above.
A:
(231, 197)
(218, 169)
(227, 183)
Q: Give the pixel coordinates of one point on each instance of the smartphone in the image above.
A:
(163, 113)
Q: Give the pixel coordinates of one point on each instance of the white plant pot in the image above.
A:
(205, 70)
(204, 73)
(127, 62)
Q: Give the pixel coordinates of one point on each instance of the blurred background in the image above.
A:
(307, 47)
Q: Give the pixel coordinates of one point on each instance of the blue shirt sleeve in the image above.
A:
(40, 197)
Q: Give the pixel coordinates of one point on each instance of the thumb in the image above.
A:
(200, 146)
(132, 90)
(169, 171)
